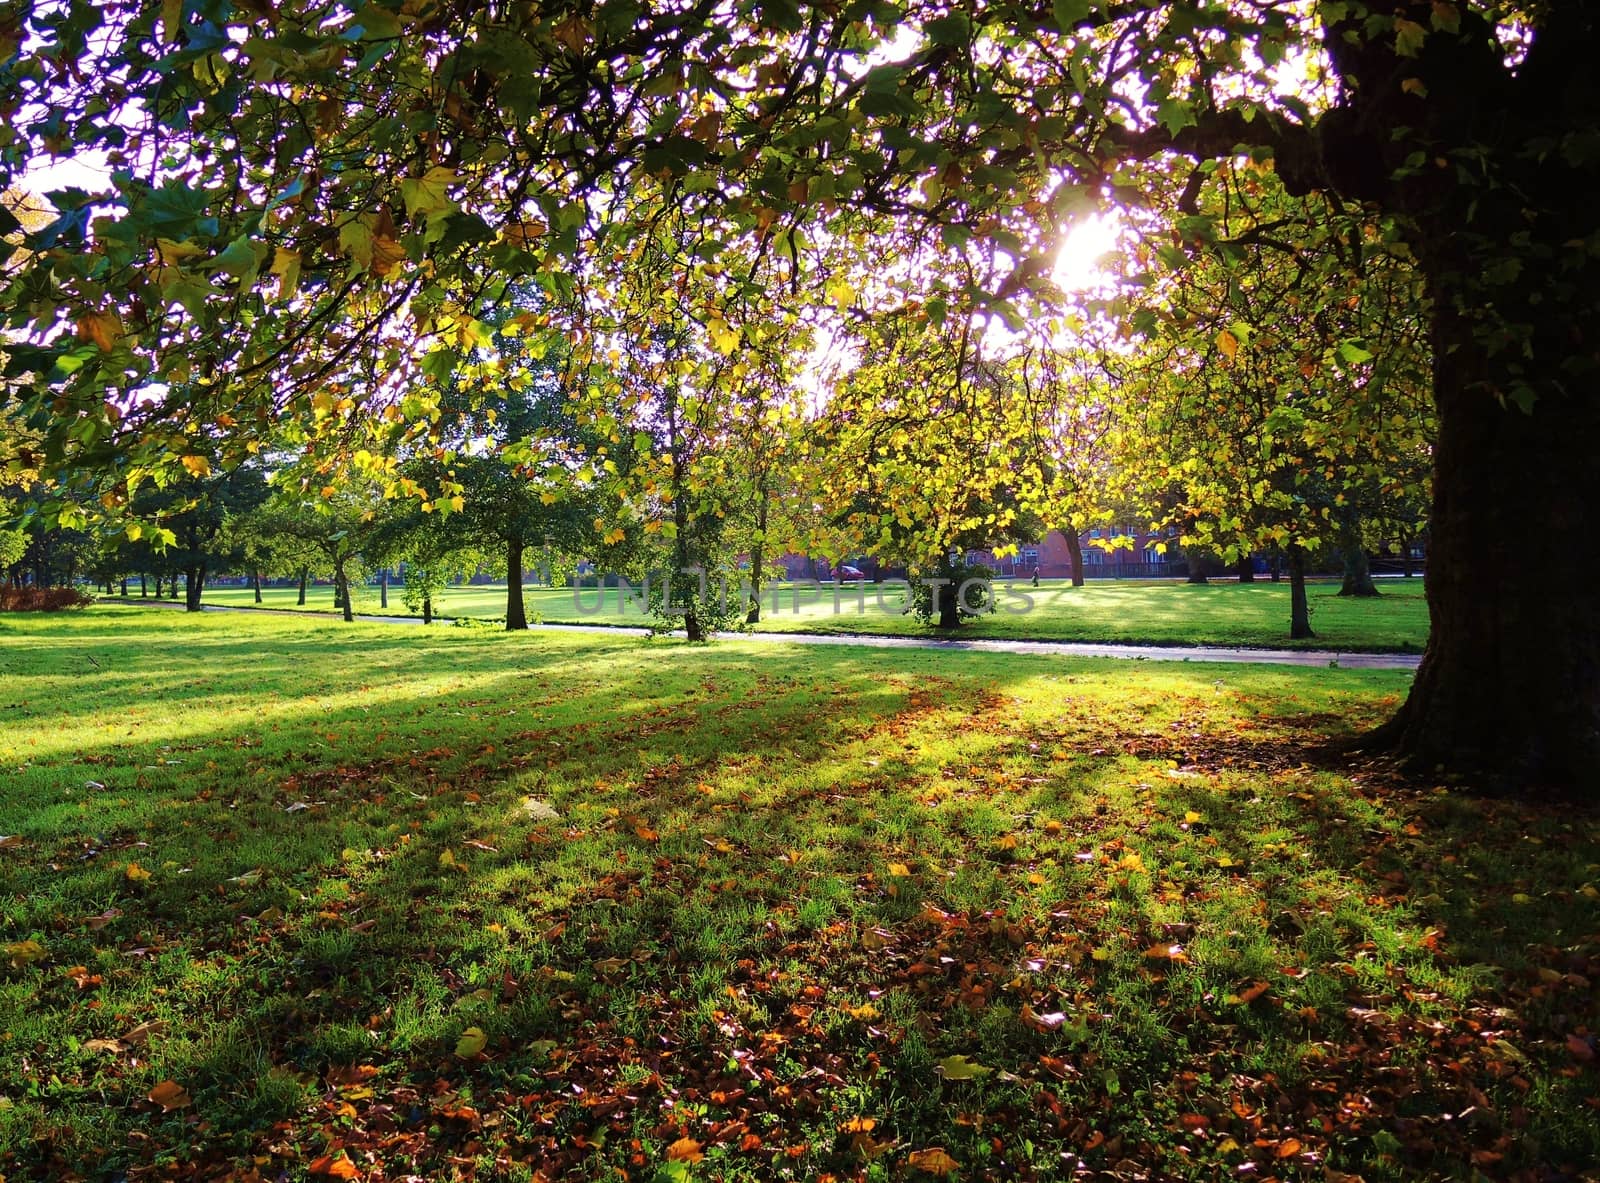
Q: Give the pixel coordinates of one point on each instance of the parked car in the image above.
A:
(849, 574)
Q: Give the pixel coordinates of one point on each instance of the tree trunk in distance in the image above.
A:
(124, 589)
(341, 584)
(1299, 608)
(144, 587)
(1357, 569)
(255, 582)
(427, 609)
(194, 584)
(754, 615)
(516, 612)
(383, 588)
(1247, 569)
(1075, 553)
(1199, 569)
(305, 577)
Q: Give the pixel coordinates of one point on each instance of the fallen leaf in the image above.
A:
(933, 1161)
(136, 873)
(25, 953)
(170, 1095)
(960, 1068)
(685, 1150)
(472, 1042)
(140, 1035)
(335, 1167)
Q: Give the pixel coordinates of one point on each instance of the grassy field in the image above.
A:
(290, 899)
(1167, 613)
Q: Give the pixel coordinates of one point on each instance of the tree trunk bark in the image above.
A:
(427, 609)
(1357, 570)
(1408, 567)
(144, 587)
(124, 589)
(1074, 553)
(194, 584)
(516, 611)
(383, 588)
(341, 584)
(305, 577)
(1275, 566)
(1509, 687)
(1299, 607)
(1246, 568)
(255, 582)
(692, 628)
(754, 615)
(172, 587)
(1199, 568)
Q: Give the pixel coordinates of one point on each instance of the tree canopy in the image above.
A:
(313, 211)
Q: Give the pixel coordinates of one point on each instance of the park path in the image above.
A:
(1208, 653)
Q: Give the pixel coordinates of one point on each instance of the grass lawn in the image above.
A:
(1166, 613)
(290, 899)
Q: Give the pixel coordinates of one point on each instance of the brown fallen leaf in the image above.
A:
(170, 1095)
(142, 1034)
(1580, 1048)
(933, 1161)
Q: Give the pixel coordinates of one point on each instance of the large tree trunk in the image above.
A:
(1199, 568)
(693, 630)
(255, 582)
(194, 584)
(1510, 682)
(144, 587)
(1246, 567)
(1075, 553)
(383, 588)
(516, 612)
(305, 578)
(1299, 606)
(427, 609)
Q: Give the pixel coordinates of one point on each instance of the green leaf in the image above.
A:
(1069, 12)
(961, 1068)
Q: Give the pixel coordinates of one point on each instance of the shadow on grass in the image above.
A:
(780, 891)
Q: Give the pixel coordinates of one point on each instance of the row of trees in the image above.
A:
(314, 221)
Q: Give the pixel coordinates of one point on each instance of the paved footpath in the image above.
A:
(1302, 657)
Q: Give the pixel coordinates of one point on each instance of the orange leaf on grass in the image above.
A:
(339, 1167)
(685, 1150)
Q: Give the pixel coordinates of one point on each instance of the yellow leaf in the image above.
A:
(1228, 344)
(841, 293)
(136, 873)
(447, 861)
(170, 1095)
(472, 1042)
(899, 870)
(196, 465)
(1131, 862)
(286, 266)
(1192, 817)
(24, 953)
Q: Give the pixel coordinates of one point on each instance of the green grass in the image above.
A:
(1166, 613)
(781, 889)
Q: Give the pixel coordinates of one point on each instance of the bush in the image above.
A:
(42, 599)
